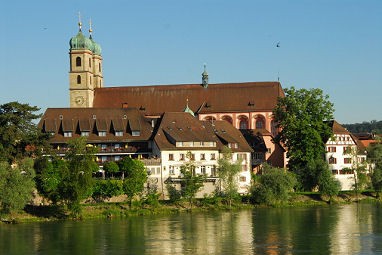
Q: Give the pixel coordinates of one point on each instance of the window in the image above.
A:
(78, 61)
(260, 123)
(192, 156)
(242, 156)
(118, 133)
(347, 160)
(103, 158)
(99, 67)
(258, 156)
(243, 179)
(243, 123)
(332, 160)
(78, 79)
(202, 156)
(331, 149)
(90, 62)
(117, 146)
(182, 157)
(213, 156)
(85, 133)
(103, 147)
(171, 170)
(203, 169)
(135, 133)
(101, 133)
(244, 168)
(171, 157)
(68, 134)
(213, 170)
(117, 158)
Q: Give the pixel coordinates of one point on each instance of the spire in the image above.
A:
(90, 29)
(205, 77)
(79, 22)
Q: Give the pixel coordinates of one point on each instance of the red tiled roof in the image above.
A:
(223, 97)
(76, 120)
(183, 127)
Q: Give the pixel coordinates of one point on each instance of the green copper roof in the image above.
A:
(96, 48)
(80, 42)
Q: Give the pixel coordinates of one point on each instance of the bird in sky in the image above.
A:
(278, 45)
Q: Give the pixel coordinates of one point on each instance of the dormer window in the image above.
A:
(101, 133)
(85, 133)
(68, 134)
(135, 133)
(118, 133)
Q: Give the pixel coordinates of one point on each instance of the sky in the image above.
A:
(334, 45)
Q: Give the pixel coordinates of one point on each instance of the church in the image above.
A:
(166, 125)
(247, 106)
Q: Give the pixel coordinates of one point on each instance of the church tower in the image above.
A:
(85, 69)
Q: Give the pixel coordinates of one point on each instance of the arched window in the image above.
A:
(78, 79)
(260, 122)
(90, 62)
(209, 118)
(99, 67)
(78, 61)
(227, 118)
(243, 124)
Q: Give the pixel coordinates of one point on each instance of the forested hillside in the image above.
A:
(365, 127)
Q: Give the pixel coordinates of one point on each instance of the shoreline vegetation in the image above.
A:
(110, 210)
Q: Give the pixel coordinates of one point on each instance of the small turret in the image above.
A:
(205, 78)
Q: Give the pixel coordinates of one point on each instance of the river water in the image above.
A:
(345, 229)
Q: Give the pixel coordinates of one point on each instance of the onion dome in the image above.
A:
(96, 48)
(80, 42)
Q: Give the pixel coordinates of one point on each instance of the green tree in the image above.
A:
(135, 177)
(104, 189)
(228, 174)
(301, 116)
(111, 168)
(19, 136)
(274, 186)
(16, 185)
(77, 181)
(49, 177)
(375, 158)
(327, 184)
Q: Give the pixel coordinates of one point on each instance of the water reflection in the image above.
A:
(349, 229)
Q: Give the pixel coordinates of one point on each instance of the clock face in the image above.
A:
(80, 100)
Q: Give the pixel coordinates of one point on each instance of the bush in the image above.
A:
(273, 187)
(104, 189)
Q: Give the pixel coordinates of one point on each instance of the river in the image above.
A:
(342, 229)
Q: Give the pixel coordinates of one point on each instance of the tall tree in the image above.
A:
(77, 182)
(16, 185)
(19, 135)
(135, 177)
(228, 174)
(301, 116)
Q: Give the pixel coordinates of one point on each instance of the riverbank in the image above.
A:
(121, 209)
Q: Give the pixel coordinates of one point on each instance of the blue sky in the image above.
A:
(332, 45)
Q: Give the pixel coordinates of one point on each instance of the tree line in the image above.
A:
(374, 127)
